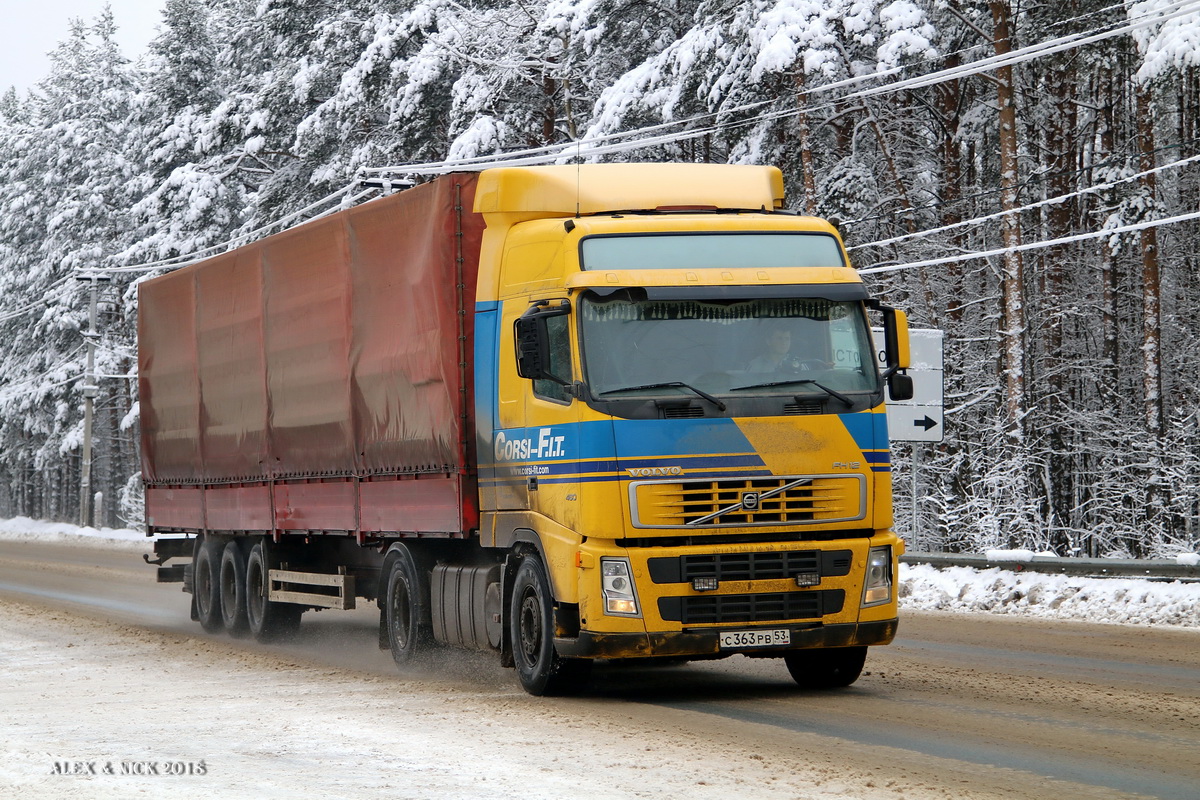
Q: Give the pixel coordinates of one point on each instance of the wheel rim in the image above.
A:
(254, 593)
(203, 578)
(530, 626)
(229, 587)
(400, 614)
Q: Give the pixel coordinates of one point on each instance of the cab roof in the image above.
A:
(575, 190)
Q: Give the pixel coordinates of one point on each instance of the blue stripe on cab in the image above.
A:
(640, 439)
(869, 430)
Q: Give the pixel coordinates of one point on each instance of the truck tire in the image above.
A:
(206, 586)
(831, 668)
(233, 590)
(406, 607)
(531, 624)
(267, 621)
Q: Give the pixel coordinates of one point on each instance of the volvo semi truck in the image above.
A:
(566, 414)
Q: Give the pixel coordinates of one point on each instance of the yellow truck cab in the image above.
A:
(680, 416)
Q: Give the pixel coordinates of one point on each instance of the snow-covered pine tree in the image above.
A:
(66, 205)
(191, 197)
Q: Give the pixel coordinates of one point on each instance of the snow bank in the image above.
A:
(24, 529)
(999, 591)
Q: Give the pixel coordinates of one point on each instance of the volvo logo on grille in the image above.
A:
(750, 501)
(652, 472)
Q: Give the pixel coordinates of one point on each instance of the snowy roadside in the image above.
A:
(133, 712)
(999, 591)
(922, 587)
(24, 529)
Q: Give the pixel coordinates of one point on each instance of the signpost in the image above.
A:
(90, 391)
(921, 419)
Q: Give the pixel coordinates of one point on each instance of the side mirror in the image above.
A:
(896, 351)
(533, 341)
(895, 333)
(895, 337)
(533, 347)
(900, 386)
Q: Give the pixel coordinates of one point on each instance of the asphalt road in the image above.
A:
(969, 705)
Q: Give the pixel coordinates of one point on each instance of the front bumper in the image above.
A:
(704, 642)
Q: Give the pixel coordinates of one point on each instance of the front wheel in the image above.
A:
(531, 624)
(830, 668)
(405, 612)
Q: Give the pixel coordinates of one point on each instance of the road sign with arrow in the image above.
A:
(919, 419)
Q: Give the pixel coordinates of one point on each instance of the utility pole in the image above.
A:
(90, 390)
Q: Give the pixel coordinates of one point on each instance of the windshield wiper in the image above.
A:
(821, 386)
(669, 385)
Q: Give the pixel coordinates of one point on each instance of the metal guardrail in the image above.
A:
(1149, 569)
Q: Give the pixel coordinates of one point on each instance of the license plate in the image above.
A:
(739, 639)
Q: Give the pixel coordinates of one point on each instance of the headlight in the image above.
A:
(877, 588)
(620, 597)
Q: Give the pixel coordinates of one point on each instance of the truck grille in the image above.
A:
(741, 502)
(769, 607)
(749, 566)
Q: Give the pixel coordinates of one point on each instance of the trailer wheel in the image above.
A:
(206, 587)
(233, 590)
(826, 669)
(531, 619)
(267, 621)
(406, 614)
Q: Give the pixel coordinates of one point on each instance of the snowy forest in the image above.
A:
(1020, 175)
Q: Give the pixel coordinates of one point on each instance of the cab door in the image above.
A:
(536, 444)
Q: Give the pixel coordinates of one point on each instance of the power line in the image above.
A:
(605, 145)
(552, 152)
(1048, 202)
(594, 146)
(1173, 11)
(45, 300)
(1137, 226)
(10, 389)
(245, 238)
(1030, 181)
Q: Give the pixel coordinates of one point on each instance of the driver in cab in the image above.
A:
(778, 356)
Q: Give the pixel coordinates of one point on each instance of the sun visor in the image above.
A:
(823, 291)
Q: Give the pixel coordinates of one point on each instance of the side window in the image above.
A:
(845, 339)
(560, 360)
(844, 344)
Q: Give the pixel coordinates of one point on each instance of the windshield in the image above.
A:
(639, 347)
(711, 251)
